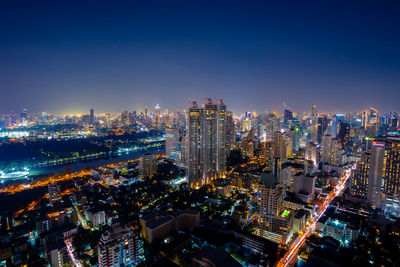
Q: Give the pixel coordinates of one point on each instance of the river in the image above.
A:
(21, 199)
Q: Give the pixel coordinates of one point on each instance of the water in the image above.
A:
(21, 199)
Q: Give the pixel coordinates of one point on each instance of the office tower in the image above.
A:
(147, 165)
(206, 137)
(54, 192)
(119, 246)
(145, 112)
(91, 118)
(172, 143)
(157, 114)
(275, 223)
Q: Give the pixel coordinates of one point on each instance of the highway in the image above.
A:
(290, 257)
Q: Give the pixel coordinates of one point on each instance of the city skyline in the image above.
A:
(151, 110)
(124, 55)
(199, 133)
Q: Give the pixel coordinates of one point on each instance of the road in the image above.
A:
(71, 253)
(290, 257)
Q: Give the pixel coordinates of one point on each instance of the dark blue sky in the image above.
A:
(123, 55)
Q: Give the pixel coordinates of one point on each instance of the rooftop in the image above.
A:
(158, 222)
(268, 179)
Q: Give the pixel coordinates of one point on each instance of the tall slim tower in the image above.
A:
(222, 136)
(91, 118)
(374, 196)
(194, 140)
(314, 114)
(157, 114)
(209, 140)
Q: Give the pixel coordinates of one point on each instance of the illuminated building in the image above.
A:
(119, 246)
(288, 114)
(331, 152)
(125, 118)
(230, 132)
(373, 116)
(96, 217)
(364, 119)
(245, 125)
(344, 134)
(156, 226)
(194, 146)
(91, 116)
(206, 137)
(283, 144)
(374, 195)
(275, 223)
(312, 153)
(379, 168)
(392, 174)
(147, 165)
(54, 192)
(314, 114)
(157, 114)
(303, 186)
(172, 143)
(24, 117)
(359, 179)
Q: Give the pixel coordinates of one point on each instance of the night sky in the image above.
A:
(65, 56)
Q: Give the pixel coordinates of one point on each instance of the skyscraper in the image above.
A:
(359, 179)
(91, 118)
(377, 178)
(314, 115)
(157, 114)
(172, 143)
(374, 196)
(222, 136)
(194, 146)
(207, 142)
(125, 120)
